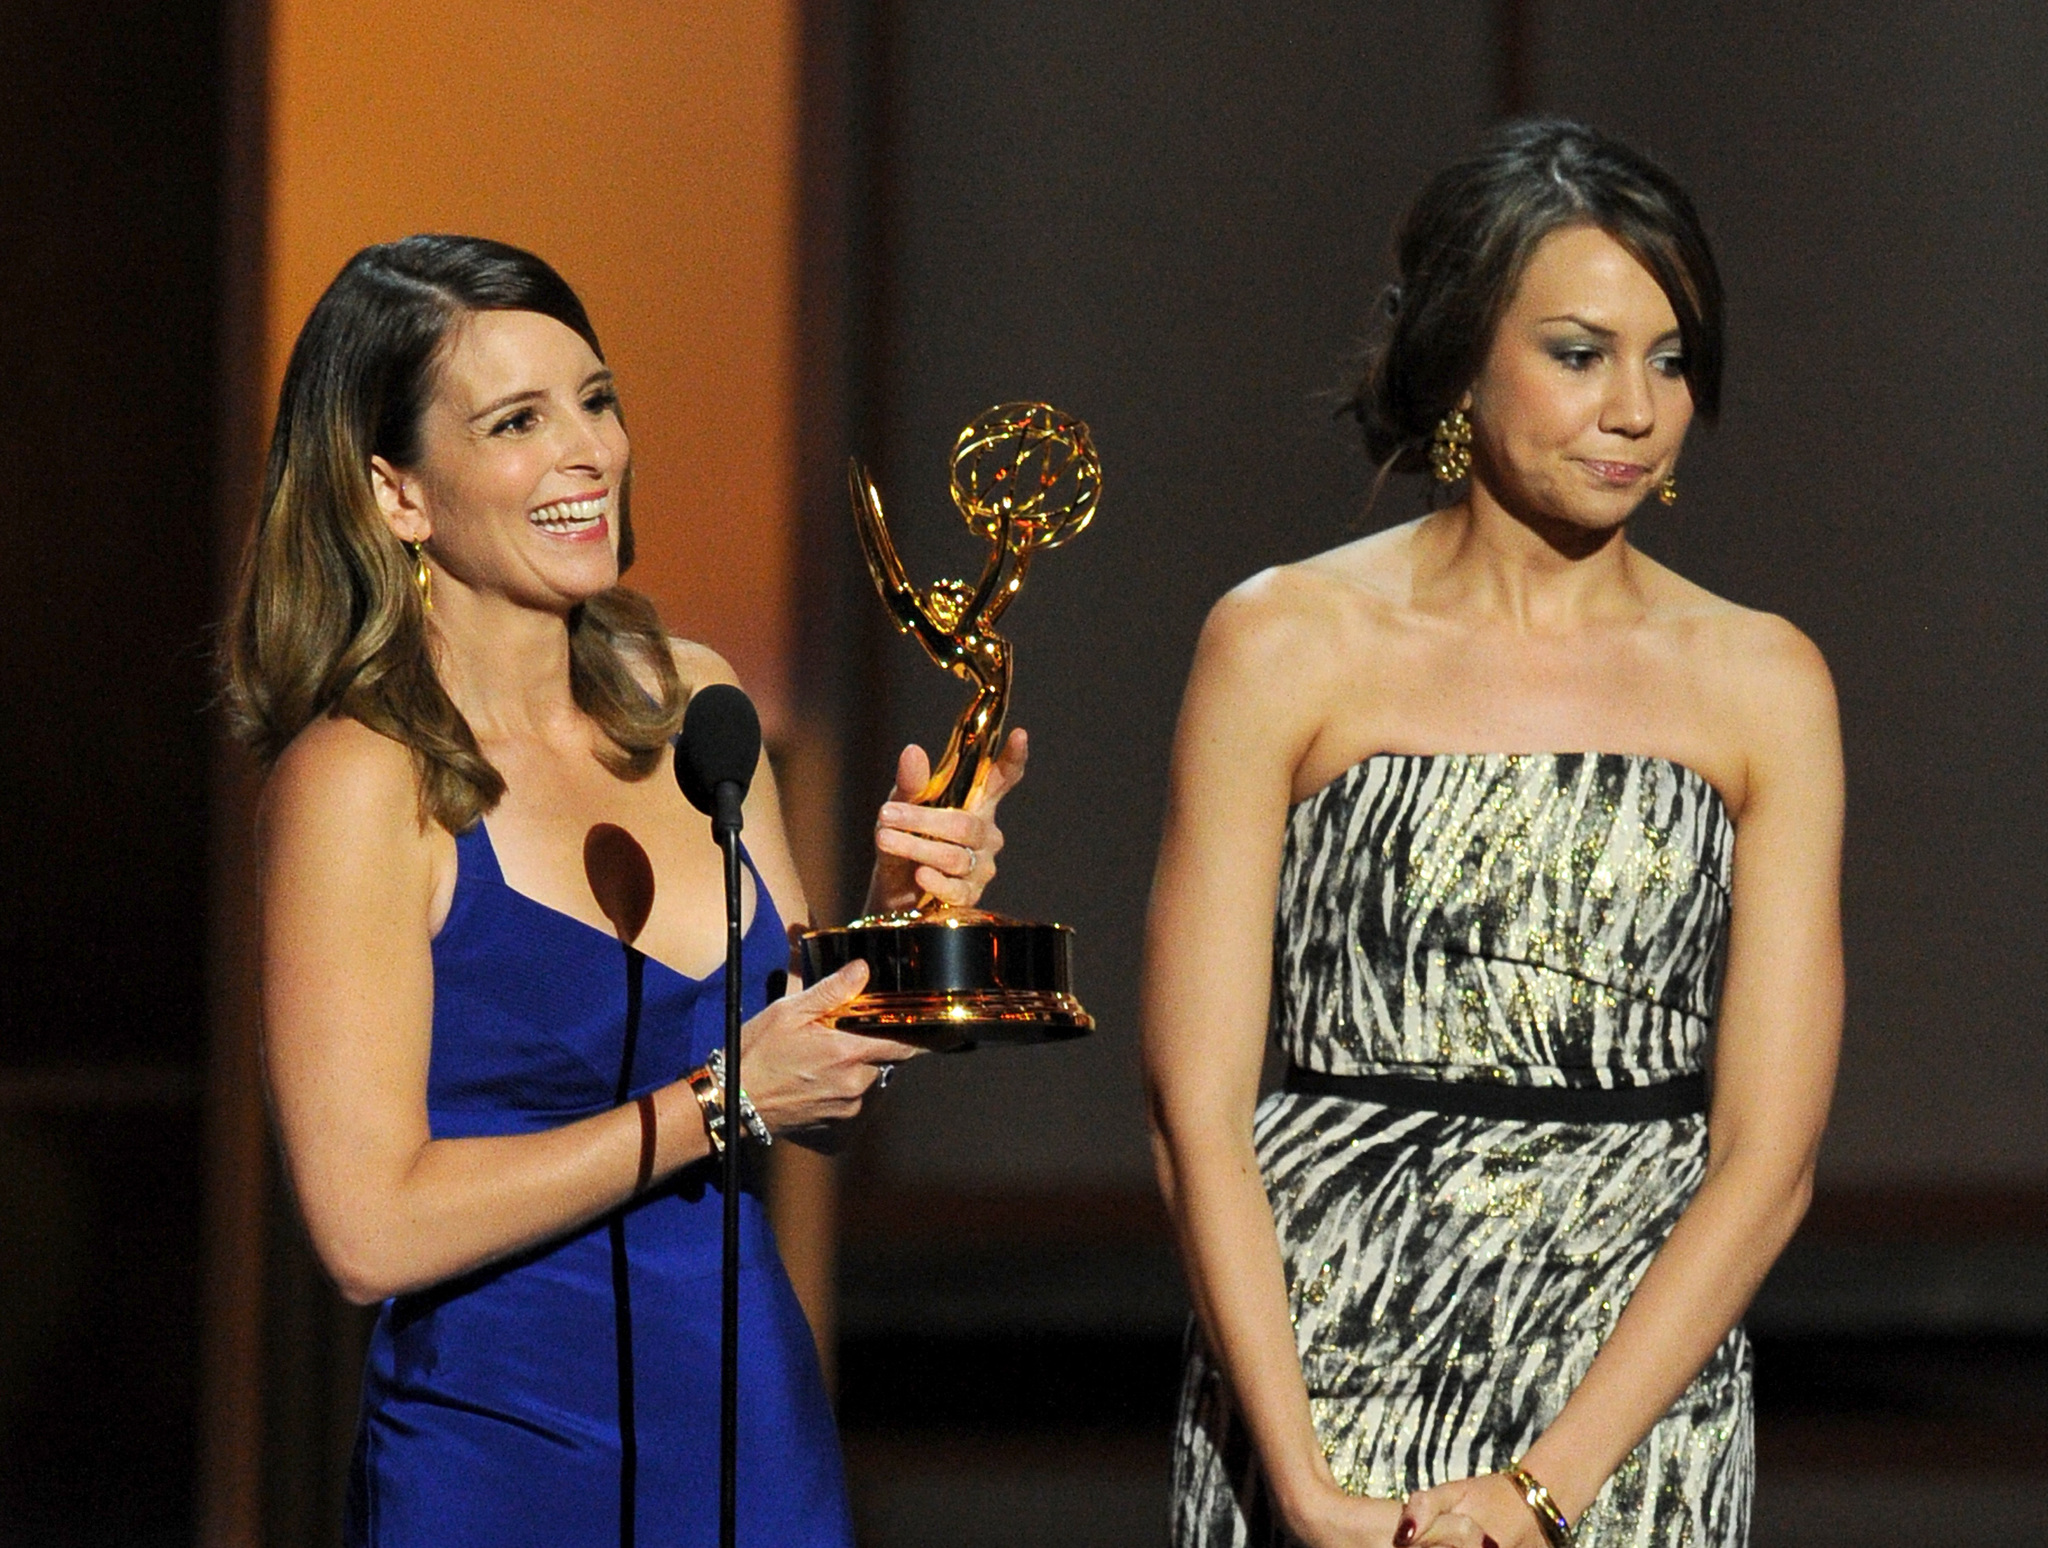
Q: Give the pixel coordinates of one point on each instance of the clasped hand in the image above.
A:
(1483, 1512)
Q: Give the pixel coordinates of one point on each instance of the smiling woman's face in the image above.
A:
(1582, 404)
(521, 458)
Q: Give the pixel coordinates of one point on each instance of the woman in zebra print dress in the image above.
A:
(1486, 1251)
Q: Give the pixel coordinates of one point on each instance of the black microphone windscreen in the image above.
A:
(720, 744)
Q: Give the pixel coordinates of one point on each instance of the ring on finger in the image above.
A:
(882, 1074)
(973, 859)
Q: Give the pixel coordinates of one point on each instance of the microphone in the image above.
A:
(717, 754)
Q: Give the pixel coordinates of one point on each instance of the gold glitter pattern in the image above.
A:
(1545, 919)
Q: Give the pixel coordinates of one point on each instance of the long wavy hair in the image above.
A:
(1464, 244)
(328, 620)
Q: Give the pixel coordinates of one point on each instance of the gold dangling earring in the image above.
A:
(1450, 447)
(1667, 491)
(422, 577)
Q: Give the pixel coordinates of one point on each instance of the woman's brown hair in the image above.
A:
(1465, 242)
(328, 620)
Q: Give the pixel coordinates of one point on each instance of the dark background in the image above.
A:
(1172, 220)
(1169, 219)
(109, 172)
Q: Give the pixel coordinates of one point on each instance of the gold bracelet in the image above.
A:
(711, 1098)
(1557, 1531)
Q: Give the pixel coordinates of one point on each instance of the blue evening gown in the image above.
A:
(569, 1396)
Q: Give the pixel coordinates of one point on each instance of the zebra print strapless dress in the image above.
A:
(1541, 920)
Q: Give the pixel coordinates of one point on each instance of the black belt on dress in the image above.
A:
(1677, 1098)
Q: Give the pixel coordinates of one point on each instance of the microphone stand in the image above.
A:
(725, 827)
(715, 761)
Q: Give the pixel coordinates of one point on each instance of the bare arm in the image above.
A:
(1775, 1050)
(349, 883)
(1250, 714)
(1776, 1043)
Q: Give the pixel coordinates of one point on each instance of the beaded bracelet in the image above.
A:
(755, 1125)
(1557, 1531)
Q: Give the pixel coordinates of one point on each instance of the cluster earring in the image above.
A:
(422, 577)
(1450, 447)
(1667, 489)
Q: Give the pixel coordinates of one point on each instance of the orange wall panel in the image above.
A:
(648, 151)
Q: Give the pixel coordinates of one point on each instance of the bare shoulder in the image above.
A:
(1767, 677)
(1780, 689)
(1777, 660)
(700, 665)
(342, 833)
(1280, 652)
(338, 771)
(1300, 617)
(1763, 663)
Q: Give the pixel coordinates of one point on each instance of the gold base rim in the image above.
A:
(962, 1019)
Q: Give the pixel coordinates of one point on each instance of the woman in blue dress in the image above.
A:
(493, 936)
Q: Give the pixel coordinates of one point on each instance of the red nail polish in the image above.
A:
(1487, 1542)
(1404, 1534)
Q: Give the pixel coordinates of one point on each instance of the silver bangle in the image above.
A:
(755, 1125)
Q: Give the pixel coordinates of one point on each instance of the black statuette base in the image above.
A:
(952, 980)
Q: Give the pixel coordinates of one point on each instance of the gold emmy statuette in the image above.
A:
(1025, 477)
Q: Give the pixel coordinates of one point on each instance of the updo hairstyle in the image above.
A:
(1465, 242)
